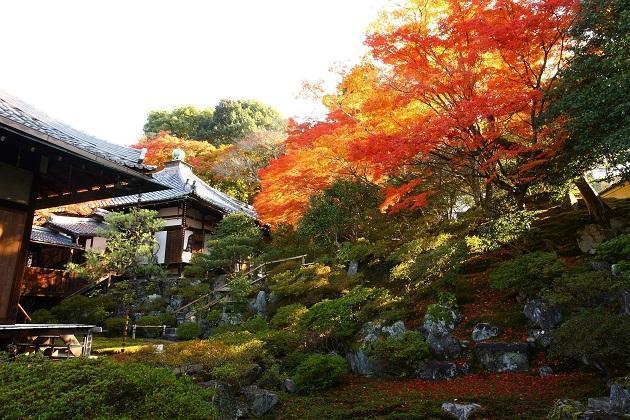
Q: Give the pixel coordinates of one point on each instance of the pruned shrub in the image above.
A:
(596, 336)
(400, 355)
(584, 288)
(43, 316)
(310, 284)
(423, 261)
(188, 331)
(320, 371)
(528, 273)
(507, 229)
(82, 310)
(287, 317)
(341, 318)
(105, 388)
(615, 250)
(114, 327)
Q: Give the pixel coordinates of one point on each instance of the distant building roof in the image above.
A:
(183, 184)
(77, 226)
(24, 114)
(47, 236)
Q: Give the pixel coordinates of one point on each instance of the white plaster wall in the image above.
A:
(160, 248)
(96, 244)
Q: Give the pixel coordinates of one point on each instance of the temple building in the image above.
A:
(45, 163)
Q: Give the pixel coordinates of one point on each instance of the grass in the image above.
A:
(501, 396)
(113, 345)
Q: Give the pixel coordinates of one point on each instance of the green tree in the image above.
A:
(237, 238)
(185, 122)
(129, 253)
(232, 120)
(591, 99)
(229, 121)
(346, 211)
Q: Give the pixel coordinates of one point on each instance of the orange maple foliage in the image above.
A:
(455, 86)
(201, 155)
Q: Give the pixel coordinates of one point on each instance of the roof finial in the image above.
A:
(178, 154)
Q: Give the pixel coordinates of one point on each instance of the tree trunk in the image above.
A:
(519, 195)
(598, 210)
(487, 199)
(125, 330)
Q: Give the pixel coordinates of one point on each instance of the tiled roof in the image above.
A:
(184, 184)
(78, 226)
(44, 235)
(24, 114)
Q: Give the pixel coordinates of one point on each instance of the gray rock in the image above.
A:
(230, 319)
(353, 268)
(620, 398)
(541, 337)
(289, 386)
(260, 304)
(193, 369)
(600, 266)
(625, 303)
(443, 324)
(445, 346)
(260, 401)
(599, 403)
(370, 332)
(359, 363)
(175, 302)
(543, 314)
(396, 330)
(153, 297)
(503, 357)
(227, 401)
(158, 348)
(460, 411)
(484, 331)
(589, 237)
(434, 370)
(545, 371)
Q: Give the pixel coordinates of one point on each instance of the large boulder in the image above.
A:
(503, 357)
(226, 400)
(574, 410)
(600, 403)
(484, 331)
(289, 386)
(396, 330)
(620, 398)
(444, 346)
(360, 363)
(542, 338)
(435, 370)
(259, 305)
(590, 236)
(625, 303)
(259, 401)
(440, 319)
(543, 314)
(353, 268)
(460, 411)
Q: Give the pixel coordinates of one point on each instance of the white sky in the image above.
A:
(101, 66)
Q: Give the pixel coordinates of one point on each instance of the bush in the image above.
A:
(280, 343)
(341, 318)
(287, 317)
(528, 273)
(595, 335)
(255, 324)
(188, 331)
(586, 289)
(401, 355)
(423, 261)
(272, 378)
(506, 229)
(114, 326)
(149, 320)
(232, 356)
(43, 316)
(616, 249)
(320, 371)
(33, 387)
(311, 284)
(82, 310)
